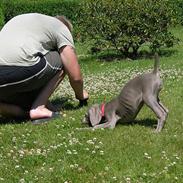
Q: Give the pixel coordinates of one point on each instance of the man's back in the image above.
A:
(26, 35)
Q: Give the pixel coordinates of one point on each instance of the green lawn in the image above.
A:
(60, 152)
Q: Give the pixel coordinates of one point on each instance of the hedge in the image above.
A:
(177, 6)
(1, 17)
(124, 25)
(12, 8)
(127, 25)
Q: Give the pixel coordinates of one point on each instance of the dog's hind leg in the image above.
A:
(164, 108)
(158, 110)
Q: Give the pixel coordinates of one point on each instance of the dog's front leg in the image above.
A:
(104, 125)
(109, 124)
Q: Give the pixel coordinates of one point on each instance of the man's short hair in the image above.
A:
(65, 21)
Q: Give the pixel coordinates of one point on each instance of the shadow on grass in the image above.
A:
(5, 121)
(163, 52)
(112, 55)
(66, 104)
(58, 103)
(63, 104)
(151, 123)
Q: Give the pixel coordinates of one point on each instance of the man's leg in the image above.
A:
(38, 109)
(11, 110)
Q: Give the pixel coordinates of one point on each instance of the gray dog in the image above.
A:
(143, 89)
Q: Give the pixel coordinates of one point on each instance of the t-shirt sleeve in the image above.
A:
(63, 38)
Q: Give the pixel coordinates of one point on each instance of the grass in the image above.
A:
(131, 153)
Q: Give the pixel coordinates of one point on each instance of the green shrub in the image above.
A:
(49, 7)
(126, 25)
(69, 8)
(1, 18)
(177, 6)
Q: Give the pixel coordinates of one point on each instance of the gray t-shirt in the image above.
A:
(25, 35)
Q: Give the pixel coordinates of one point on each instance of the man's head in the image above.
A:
(65, 21)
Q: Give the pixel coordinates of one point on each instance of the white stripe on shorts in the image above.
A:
(21, 81)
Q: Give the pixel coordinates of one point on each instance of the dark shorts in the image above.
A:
(20, 85)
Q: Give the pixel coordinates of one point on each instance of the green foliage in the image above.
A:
(68, 8)
(177, 5)
(60, 151)
(1, 17)
(49, 7)
(127, 25)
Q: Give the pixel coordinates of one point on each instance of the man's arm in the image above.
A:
(72, 68)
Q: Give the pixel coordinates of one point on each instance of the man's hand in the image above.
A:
(84, 97)
(83, 102)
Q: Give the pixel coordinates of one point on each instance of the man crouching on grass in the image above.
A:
(36, 51)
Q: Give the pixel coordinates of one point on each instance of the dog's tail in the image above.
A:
(156, 63)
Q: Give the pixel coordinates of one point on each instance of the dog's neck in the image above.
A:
(102, 109)
(109, 110)
(109, 106)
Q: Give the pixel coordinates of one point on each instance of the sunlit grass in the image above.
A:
(60, 152)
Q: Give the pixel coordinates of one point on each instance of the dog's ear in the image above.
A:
(94, 115)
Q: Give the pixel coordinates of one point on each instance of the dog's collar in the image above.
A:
(102, 110)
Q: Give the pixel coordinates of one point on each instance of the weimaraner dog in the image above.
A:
(143, 89)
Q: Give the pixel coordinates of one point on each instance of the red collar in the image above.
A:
(102, 109)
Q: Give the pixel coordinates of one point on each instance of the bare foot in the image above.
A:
(40, 112)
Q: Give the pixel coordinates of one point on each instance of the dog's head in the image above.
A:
(94, 115)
